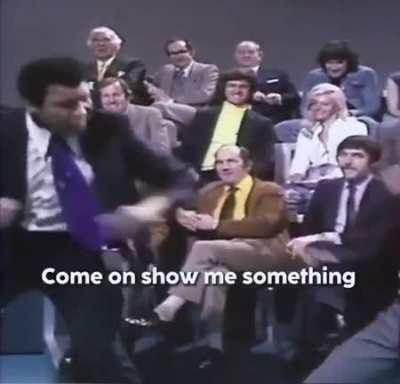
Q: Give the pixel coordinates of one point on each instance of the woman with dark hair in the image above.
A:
(339, 65)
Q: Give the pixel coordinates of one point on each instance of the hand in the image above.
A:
(206, 222)
(259, 96)
(273, 99)
(117, 226)
(9, 210)
(150, 210)
(186, 218)
(298, 249)
(157, 93)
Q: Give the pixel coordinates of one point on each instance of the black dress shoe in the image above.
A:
(150, 322)
(211, 359)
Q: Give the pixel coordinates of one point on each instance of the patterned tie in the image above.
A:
(228, 208)
(78, 201)
(350, 207)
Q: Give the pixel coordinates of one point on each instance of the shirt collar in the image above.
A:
(229, 105)
(255, 69)
(362, 186)
(185, 70)
(105, 62)
(41, 138)
(243, 184)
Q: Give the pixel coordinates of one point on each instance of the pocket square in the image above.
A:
(271, 81)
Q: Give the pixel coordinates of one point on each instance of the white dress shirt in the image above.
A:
(312, 152)
(42, 207)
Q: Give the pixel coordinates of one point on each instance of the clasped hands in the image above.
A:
(270, 98)
(194, 221)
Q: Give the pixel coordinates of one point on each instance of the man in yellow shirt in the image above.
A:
(230, 121)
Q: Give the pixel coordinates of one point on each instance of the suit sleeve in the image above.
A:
(158, 131)
(270, 220)
(290, 96)
(370, 94)
(313, 218)
(162, 171)
(262, 149)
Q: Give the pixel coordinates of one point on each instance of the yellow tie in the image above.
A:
(102, 70)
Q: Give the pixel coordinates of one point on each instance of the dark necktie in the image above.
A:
(78, 201)
(229, 205)
(178, 83)
(350, 207)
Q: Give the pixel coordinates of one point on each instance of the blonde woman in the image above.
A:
(329, 123)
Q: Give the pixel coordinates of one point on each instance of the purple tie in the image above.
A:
(78, 201)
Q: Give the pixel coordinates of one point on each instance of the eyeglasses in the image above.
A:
(174, 53)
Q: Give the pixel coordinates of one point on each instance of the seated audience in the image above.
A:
(328, 123)
(339, 66)
(239, 224)
(145, 122)
(351, 225)
(389, 129)
(105, 45)
(276, 97)
(183, 80)
(229, 121)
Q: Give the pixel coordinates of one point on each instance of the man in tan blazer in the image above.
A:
(184, 80)
(240, 224)
(145, 122)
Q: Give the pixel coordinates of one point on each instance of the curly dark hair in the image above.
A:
(338, 50)
(36, 76)
(234, 74)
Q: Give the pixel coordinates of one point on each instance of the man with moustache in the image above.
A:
(351, 225)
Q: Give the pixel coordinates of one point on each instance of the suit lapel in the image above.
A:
(367, 200)
(169, 78)
(245, 126)
(208, 202)
(333, 209)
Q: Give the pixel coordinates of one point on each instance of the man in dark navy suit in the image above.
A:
(352, 224)
(276, 96)
(62, 169)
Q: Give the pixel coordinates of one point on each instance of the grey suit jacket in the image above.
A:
(199, 87)
(147, 124)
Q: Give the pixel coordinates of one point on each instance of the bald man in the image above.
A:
(276, 96)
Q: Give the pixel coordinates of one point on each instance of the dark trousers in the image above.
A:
(91, 312)
(370, 356)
